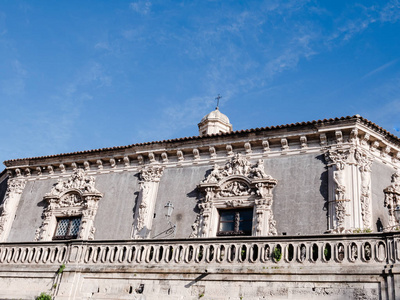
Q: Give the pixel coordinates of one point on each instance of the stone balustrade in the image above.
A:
(381, 248)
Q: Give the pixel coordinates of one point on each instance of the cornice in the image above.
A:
(287, 139)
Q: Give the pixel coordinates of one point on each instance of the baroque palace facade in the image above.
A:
(301, 211)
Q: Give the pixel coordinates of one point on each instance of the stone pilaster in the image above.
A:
(150, 178)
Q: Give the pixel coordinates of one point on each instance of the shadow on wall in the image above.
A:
(323, 188)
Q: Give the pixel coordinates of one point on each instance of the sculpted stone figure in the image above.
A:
(340, 188)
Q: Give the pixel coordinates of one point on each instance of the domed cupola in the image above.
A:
(214, 122)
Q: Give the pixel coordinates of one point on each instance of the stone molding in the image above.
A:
(237, 184)
(296, 143)
(76, 196)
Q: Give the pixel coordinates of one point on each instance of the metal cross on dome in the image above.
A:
(217, 98)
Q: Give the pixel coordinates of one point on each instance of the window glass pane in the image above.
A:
(227, 215)
(230, 226)
(246, 215)
(74, 227)
(245, 226)
(62, 227)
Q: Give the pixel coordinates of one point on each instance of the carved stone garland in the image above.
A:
(392, 198)
(76, 196)
(9, 206)
(237, 184)
(150, 177)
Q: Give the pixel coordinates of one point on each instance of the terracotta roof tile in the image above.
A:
(355, 117)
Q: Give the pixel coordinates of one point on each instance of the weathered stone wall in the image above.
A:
(178, 185)
(29, 212)
(380, 179)
(115, 215)
(299, 199)
(301, 193)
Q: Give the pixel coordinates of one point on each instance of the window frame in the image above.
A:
(66, 236)
(237, 222)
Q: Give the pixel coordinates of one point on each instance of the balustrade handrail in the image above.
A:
(381, 248)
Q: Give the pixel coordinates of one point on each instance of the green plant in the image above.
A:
(277, 254)
(43, 296)
(359, 230)
(61, 269)
(201, 295)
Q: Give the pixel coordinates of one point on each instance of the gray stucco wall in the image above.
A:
(116, 209)
(299, 197)
(299, 200)
(29, 212)
(114, 217)
(301, 193)
(380, 179)
(178, 185)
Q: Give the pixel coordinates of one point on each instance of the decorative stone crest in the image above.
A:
(76, 196)
(237, 184)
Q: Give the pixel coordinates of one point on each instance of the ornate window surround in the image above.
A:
(74, 197)
(238, 184)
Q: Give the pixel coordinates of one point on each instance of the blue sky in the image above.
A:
(78, 75)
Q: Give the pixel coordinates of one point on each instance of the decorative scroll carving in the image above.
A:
(76, 196)
(235, 188)
(79, 180)
(152, 158)
(265, 144)
(285, 145)
(152, 173)
(62, 168)
(195, 227)
(9, 206)
(238, 165)
(179, 154)
(229, 150)
(164, 157)
(392, 197)
(238, 183)
(196, 154)
(247, 148)
(303, 142)
(213, 153)
(323, 140)
(127, 161)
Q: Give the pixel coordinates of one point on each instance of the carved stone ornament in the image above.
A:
(151, 173)
(392, 197)
(9, 206)
(76, 196)
(364, 162)
(150, 177)
(236, 184)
